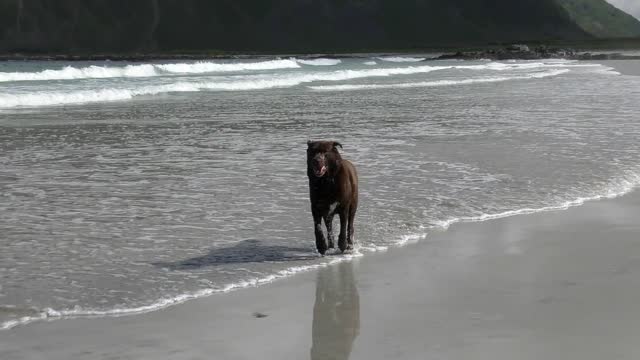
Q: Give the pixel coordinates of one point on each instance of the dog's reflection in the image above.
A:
(336, 313)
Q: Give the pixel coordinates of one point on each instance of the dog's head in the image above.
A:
(322, 158)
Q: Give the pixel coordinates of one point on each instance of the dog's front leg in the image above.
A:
(321, 242)
(328, 222)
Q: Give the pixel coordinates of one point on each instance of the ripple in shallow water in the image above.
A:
(110, 208)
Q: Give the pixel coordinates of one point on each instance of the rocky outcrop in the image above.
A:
(523, 52)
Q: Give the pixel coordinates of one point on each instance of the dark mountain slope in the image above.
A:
(602, 19)
(277, 25)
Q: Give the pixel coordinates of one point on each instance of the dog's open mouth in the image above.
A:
(320, 172)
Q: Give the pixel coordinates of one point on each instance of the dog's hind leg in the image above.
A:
(352, 215)
(342, 238)
(328, 222)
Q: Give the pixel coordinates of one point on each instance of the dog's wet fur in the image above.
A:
(333, 189)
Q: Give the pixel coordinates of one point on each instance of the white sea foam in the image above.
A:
(608, 71)
(45, 98)
(49, 98)
(400, 59)
(373, 248)
(145, 70)
(616, 188)
(86, 96)
(320, 62)
(202, 67)
(349, 87)
(211, 67)
(268, 81)
(501, 66)
(90, 72)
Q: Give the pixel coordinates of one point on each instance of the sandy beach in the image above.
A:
(555, 285)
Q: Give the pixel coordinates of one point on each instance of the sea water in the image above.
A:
(128, 187)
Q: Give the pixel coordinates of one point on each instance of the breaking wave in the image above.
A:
(210, 67)
(257, 81)
(203, 67)
(145, 70)
(320, 62)
(349, 87)
(247, 83)
(90, 72)
(401, 59)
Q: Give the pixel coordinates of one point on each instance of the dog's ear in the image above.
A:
(309, 143)
(336, 145)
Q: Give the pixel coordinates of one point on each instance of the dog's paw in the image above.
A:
(342, 246)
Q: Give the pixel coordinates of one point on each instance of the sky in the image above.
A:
(630, 6)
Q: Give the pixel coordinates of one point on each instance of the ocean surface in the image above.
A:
(128, 187)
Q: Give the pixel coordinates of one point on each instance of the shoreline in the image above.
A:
(479, 55)
(332, 259)
(194, 57)
(490, 264)
(597, 50)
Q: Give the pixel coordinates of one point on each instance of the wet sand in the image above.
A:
(556, 285)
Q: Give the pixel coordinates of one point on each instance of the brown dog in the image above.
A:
(333, 189)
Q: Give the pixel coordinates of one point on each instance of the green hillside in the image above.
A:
(152, 26)
(601, 19)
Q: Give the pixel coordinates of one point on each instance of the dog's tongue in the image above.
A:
(322, 171)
